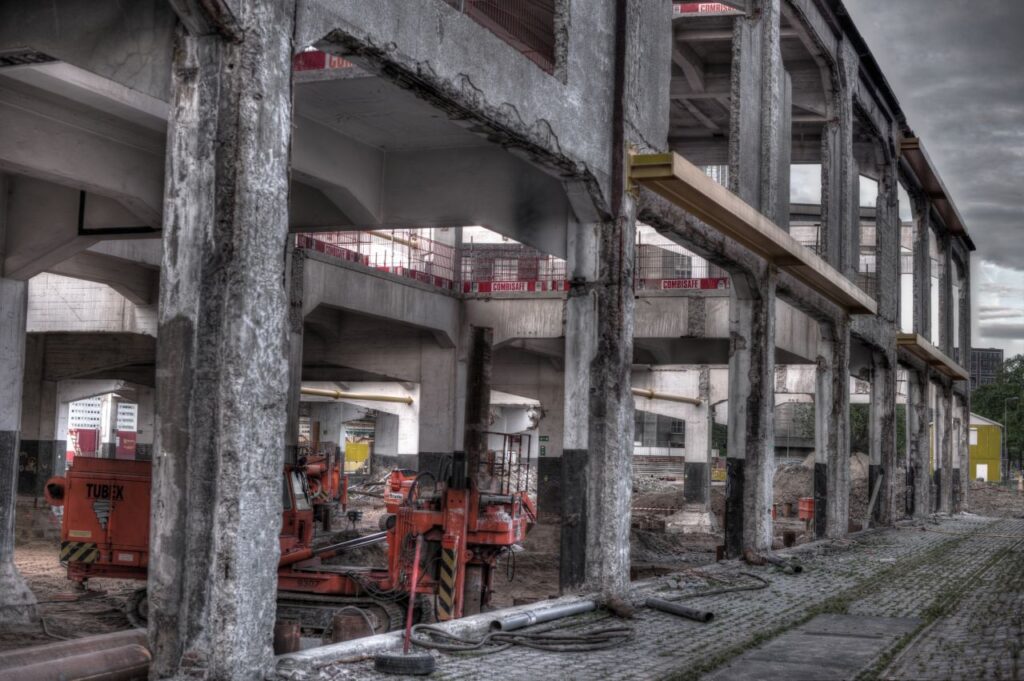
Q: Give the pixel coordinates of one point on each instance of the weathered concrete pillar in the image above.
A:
(697, 486)
(598, 427)
(922, 268)
(834, 431)
(295, 330)
(840, 181)
(920, 440)
(222, 362)
(946, 301)
(478, 402)
(17, 602)
(580, 349)
(882, 422)
(39, 414)
(438, 406)
(758, 152)
(750, 466)
(961, 459)
(823, 426)
(944, 455)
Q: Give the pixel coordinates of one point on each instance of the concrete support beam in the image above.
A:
(840, 183)
(138, 283)
(758, 156)
(596, 479)
(442, 400)
(833, 431)
(17, 602)
(944, 452)
(882, 451)
(887, 243)
(750, 466)
(946, 301)
(697, 486)
(918, 426)
(296, 281)
(922, 268)
(222, 377)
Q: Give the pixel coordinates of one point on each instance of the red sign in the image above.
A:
(514, 286)
(126, 440)
(315, 60)
(82, 441)
(704, 284)
(704, 8)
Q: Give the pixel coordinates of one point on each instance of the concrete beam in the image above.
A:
(55, 139)
(138, 283)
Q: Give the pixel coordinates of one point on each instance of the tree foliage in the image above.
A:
(990, 401)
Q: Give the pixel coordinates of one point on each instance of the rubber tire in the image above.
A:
(413, 664)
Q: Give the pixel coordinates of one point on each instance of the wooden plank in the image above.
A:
(931, 355)
(686, 185)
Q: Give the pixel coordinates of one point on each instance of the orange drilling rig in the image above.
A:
(105, 533)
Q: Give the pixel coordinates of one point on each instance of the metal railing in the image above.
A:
(402, 252)
(510, 267)
(659, 269)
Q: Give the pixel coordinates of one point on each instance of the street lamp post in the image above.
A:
(1006, 431)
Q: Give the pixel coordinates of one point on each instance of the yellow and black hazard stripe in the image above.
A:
(446, 589)
(79, 552)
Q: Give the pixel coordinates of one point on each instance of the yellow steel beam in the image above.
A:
(686, 185)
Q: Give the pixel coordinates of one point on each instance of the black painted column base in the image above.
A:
(572, 566)
(549, 489)
(874, 470)
(820, 499)
(734, 484)
(695, 482)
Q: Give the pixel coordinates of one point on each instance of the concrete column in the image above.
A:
(833, 434)
(919, 453)
(946, 301)
(295, 329)
(38, 415)
(17, 602)
(598, 428)
(823, 426)
(697, 486)
(438, 404)
(222, 362)
(840, 182)
(961, 461)
(758, 152)
(922, 269)
(750, 466)
(944, 454)
(882, 422)
(887, 222)
(581, 314)
(478, 403)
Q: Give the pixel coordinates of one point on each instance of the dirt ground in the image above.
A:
(995, 501)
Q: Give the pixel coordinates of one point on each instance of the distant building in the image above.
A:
(985, 366)
(986, 449)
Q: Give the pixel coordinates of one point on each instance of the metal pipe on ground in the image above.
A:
(345, 395)
(526, 619)
(680, 610)
(76, 646)
(124, 663)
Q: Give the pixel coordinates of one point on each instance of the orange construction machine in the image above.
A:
(465, 527)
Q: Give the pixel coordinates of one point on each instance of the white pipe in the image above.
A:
(651, 395)
(366, 397)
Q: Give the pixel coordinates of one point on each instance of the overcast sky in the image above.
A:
(957, 67)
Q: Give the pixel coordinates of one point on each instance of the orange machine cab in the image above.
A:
(105, 526)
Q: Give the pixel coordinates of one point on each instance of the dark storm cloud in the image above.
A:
(1003, 331)
(956, 67)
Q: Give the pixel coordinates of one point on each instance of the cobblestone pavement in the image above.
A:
(960, 576)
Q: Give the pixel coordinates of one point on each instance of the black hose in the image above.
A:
(428, 636)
